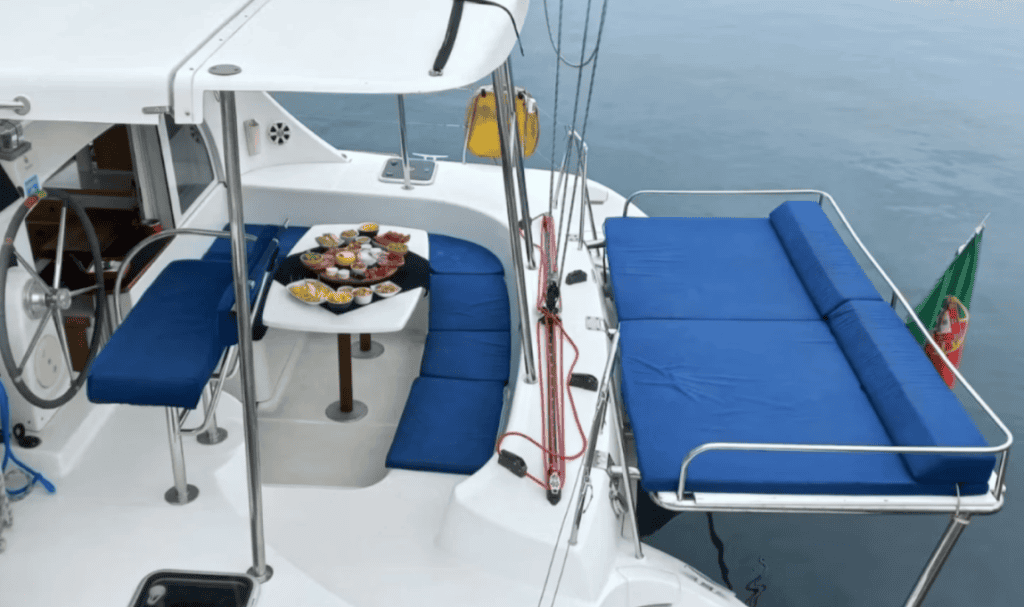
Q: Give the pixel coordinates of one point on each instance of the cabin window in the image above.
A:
(193, 172)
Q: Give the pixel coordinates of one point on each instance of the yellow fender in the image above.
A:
(482, 123)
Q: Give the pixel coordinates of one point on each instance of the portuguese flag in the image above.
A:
(945, 310)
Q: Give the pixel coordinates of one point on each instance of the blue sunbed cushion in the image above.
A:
(828, 270)
(449, 425)
(686, 383)
(908, 394)
(483, 355)
(469, 302)
(166, 349)
(456, 256)
(697, 268)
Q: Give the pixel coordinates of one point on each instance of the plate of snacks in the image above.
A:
(328, 240)
(316, 261)
(391, 259)
(363, 295)
(389, 237)
(340, 300)
(311, 292)
(387, 289)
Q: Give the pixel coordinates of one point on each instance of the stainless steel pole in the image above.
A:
(501, 100)
(627, 482)
(229, 119)
(595, 430)
(405, 148)
(957, 524)
(524, 203)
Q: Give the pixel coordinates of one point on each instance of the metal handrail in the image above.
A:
(1002, 449)
(145, 242)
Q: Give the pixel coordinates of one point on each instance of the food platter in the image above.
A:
(342, 258)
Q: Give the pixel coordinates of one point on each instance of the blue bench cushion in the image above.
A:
(220, 250)
(467, 355)
(449, 425)
(686, 383)
(456, 256)
(908, 395)
(469, 302)
(829, 272)
(165, 350)
(697, 268)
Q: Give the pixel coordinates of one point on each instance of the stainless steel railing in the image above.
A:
(1002, 449)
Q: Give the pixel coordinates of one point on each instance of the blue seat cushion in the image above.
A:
(220, 250)
(166, 349)
(449, 425)
(287, 239)
(483, 355)
(697, 268)
(829, 272)
(908, 394)
(456, 256)
(469, 302)
(690, 382)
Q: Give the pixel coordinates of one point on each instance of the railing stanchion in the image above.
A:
(405, 148)
(229, 119)
(595, 430)
(502, 97)
(957, 524)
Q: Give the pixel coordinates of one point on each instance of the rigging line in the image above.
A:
(554, 120)
(580, 65)
(583, 130)
(575, 115)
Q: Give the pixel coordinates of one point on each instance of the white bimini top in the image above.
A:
(126, 62)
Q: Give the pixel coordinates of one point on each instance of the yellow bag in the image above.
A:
(482, 123)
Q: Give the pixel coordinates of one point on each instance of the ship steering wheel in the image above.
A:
(42, 302)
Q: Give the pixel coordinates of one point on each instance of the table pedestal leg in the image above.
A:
(346, 409)
(367, 347)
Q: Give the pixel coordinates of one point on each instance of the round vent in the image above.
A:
(279, 133)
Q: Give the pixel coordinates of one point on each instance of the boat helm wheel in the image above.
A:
(39, 302)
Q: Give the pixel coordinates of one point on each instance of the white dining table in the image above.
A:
(284, 311)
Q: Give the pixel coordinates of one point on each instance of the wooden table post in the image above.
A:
(345, 371)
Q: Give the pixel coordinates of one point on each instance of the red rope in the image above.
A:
(554, 454)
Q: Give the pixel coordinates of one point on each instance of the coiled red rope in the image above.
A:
(554, 391)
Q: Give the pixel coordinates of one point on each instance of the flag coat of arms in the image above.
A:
(945, 310)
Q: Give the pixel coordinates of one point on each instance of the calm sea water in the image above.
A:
(909, 112)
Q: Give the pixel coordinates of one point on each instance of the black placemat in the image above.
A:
(414, 273)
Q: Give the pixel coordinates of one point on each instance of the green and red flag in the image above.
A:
(945, 310)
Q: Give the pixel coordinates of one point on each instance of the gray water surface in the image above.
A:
(908, 112)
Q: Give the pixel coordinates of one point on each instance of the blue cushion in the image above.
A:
(467, 355)
(829, 272)
(696, 268)
(449, 425)
(908, 394)
(456, 256)
(287, 238)
(220, 250)
(686, 383)
(469, 302)
(165, 350)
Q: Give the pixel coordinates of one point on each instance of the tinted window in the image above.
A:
(192, 167)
